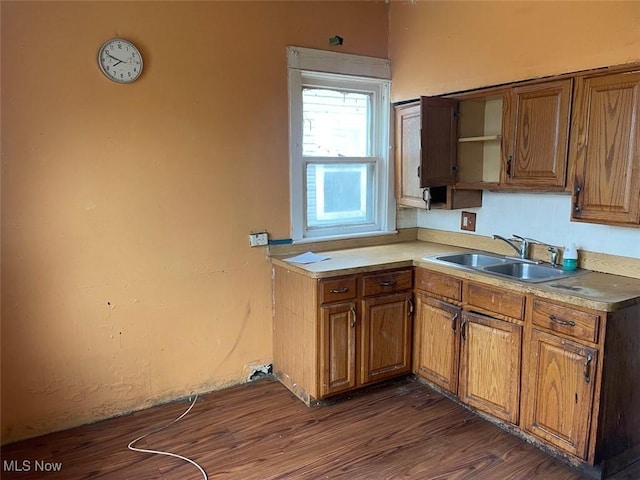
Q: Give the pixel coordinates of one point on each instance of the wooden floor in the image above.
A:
(260, 431)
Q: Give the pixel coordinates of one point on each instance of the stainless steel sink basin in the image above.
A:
(529, 272)
(505, 267)
(473, 259)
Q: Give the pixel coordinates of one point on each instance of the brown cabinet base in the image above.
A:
(335, 335)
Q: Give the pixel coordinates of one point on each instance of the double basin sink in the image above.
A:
(505, 267)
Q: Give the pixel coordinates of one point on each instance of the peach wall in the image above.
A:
(127, 278)
(446, 46)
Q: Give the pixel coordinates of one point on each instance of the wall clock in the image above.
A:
(120, 60)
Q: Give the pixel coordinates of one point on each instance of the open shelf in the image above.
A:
(479, 142)
(483, 138)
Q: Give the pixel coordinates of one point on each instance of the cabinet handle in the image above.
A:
(387, 283)
(339, 290)
(353, 317)
(553, 318)
(453, 321)
(587, 370)
(418, 171)
(577, 190)
(463, 333)
(509, 160)
(410, 302)
(426, 196)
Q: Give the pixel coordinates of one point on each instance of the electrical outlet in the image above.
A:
(468, 221)
(258, 239)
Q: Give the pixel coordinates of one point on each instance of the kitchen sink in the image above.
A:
(529, 272)
(506, 267)
(475, 259)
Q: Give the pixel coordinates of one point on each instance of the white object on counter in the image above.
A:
(570, 257)
(307, 257)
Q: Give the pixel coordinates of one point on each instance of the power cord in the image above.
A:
(168, 454)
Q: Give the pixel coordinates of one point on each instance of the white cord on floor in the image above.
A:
(169, 454)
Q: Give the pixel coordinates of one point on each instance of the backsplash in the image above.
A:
(544, 217)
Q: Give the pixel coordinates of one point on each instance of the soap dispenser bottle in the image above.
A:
(570, 257)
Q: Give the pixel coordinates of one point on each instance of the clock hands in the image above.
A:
(115, 58)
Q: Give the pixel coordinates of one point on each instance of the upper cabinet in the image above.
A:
(425, 156)
(578, 133)
(515, 137)
(501, 138)
(605, 149)
(537, 134)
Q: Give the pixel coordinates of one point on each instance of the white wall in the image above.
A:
(544, 217)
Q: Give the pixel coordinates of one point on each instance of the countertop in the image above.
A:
(598, 291)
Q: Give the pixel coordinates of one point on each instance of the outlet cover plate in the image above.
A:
(468, 221)
(258, 239)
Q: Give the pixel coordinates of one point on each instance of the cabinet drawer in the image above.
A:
(438, 284)
(387, 282)
(566, 320)
(336, 290)
(495, 300)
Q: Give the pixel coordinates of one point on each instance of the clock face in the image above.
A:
(120, 60)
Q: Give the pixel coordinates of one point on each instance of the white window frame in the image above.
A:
(354, 72)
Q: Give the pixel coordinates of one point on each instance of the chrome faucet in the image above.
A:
(523, 248)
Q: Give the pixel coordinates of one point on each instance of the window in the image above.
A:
(339, 126)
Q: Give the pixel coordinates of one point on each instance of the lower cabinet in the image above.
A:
(386, 336)
(337, 334)
(337, 348)
(475, 356)
(490, 365)
(560, 380)
(436, 342)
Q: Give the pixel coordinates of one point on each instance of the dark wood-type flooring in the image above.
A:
(402, 429)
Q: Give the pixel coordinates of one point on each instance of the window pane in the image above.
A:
(339, 194)
(335, 123)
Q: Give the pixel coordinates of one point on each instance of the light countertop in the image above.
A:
(598, 291)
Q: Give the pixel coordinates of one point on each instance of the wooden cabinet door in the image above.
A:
(490, 365)
(338, 333)
(438, 141)
(425, 143)
(605, 149)
(436, 341)
(386, 336)
(538, 135)
(558, 395)
(408, 155)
